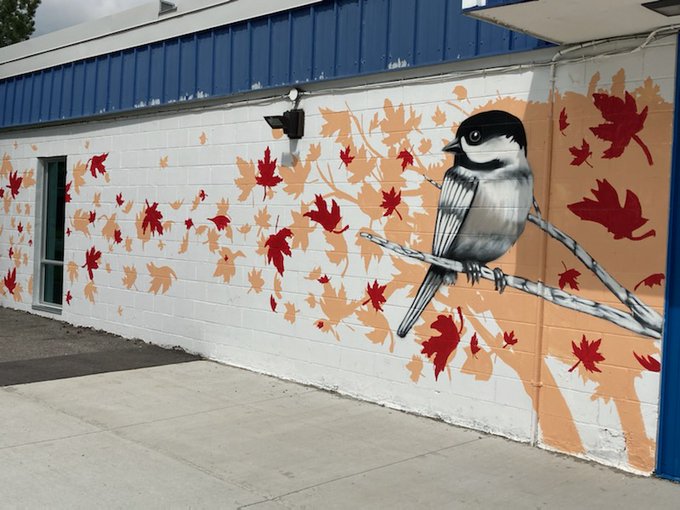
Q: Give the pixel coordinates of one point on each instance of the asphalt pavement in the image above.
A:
(90, 420)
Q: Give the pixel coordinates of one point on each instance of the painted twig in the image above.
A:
(633, 322)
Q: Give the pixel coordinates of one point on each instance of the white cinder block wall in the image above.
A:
(220, 285)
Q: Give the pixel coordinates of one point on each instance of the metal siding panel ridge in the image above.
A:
(260, 31)
(302, 44)
(240, 57)
(187, 73)
(430, 31)
(204, 64)
(324, 41)
(156, 73)
(401, 33)
(347, 38)
(279, 51)
(374, 36)
(222, 62)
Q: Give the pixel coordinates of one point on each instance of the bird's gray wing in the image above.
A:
(455, 200)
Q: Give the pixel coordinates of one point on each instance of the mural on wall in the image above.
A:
(380, 220)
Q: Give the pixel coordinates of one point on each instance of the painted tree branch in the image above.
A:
(642, 313)
(551, 294)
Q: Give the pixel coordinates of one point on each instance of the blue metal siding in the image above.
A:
(668, 445)
(331, 39)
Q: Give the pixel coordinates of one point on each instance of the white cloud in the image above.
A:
(57, 14)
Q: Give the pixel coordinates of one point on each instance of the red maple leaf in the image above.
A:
(474, 345)
(92, 257)
(189, 223)
(2, 192)
(10, 280)
(623, 124)
(648, 362)
(568, 277)
(202, 195)
(509, 338)
(14, 183)
(277, 245)
(439, 348)
(327, 219)
(11, 252)
(651, 280)
(375, 295)
(93, 216)
(390, 202)
(581, 155)
(267, 177)
(563, 121)
(606, 210)
(220, 221)
(406, 158)
(272, 303)
(97, 164)
(152, 219)
(319, 324)
(119, 199)
(345, 157)
(69, 297)
(20, 227)
(117, 236)
(68, 232)
(30, 242)
(67, 195)
(324, 279)
(587, 353)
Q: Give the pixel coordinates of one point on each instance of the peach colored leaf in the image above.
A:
(96, 200)
(311, 300)
(380, 328)
(439, 117)
(185, 244)
(176, 204)
(72, 271)
(425, 146)
(28, 179)
(291, 312)
(201, 230)
(81, 222)
(6, 168)
(79, 170)
(278, 286)
(300, 228)
(314, 152)
(128, 244)
(460, 92)
(225, 265)
(212, 240)
(129, 276)
(90, 290)
(336, 122)
(161, 278)
(295, 176)
(128, 207)
(247, 181)
(338, 253)
(262, 220)
(478, 364)
(256, 280)
(415, 366)
(163, 163)
(203, 138)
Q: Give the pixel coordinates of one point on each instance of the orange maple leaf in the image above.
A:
(161, 278)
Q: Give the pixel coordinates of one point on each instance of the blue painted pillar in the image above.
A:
(668, 446)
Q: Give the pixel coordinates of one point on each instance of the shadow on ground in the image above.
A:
(34, 348)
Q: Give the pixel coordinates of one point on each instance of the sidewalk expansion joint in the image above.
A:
(359, 473)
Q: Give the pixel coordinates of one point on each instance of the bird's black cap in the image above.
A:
(486, 125)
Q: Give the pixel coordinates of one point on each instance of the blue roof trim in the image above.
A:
(323, 41)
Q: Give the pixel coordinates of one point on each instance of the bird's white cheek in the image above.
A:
(501, 148)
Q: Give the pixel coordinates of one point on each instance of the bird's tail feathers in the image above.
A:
(433, 280)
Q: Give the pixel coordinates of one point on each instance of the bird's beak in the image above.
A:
(454, 147)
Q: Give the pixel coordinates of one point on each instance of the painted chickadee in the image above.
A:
(484, 203)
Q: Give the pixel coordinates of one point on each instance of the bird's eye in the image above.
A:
(475, 136)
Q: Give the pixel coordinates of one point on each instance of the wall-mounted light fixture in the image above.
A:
(665, 7)
(293, 121)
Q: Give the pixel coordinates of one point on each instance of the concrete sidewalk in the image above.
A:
(202, 435)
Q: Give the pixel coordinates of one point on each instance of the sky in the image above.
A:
(57, 14)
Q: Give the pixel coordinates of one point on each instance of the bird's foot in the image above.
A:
(499, 279)
(473, 271)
